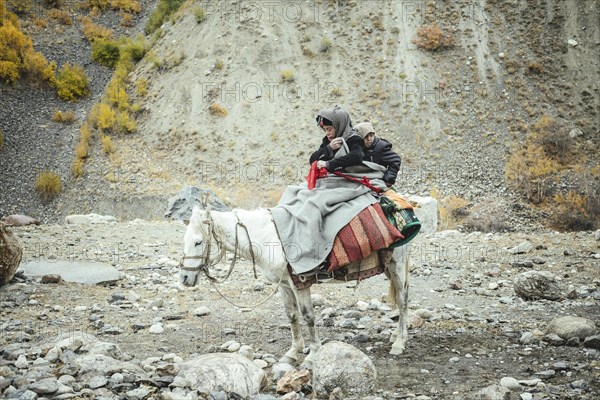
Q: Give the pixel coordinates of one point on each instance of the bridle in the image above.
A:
(205, 263)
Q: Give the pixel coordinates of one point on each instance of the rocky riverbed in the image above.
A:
(470, 336)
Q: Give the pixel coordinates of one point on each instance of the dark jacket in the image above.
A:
(381, 153)
(325, 153)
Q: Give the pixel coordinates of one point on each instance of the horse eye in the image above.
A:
(198, 243)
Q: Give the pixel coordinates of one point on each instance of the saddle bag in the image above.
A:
(403, 218)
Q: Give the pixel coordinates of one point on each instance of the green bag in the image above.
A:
(404, 219)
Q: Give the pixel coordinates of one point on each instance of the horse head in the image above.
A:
(200, 247)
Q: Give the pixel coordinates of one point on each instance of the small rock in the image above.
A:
(592, 342)
(97, 382)
(572, 42)
(51, 278)
(21, 362)
(493, 392)
(44, 386)
(510, 383)
(554, 339)
(156, 329)
(293, 381)
(202, 311)
(280, 369)
(261, 363)
(526, 396)
(522, 248)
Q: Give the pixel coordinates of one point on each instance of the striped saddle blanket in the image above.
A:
(366, 233)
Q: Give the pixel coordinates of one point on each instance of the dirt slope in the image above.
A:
(452, 114)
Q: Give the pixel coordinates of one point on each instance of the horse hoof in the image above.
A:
(396, 350)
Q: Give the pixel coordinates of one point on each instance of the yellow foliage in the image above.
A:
(141, 87)
(530, 171)
(106, 117)
(125, 123)
(67, 117)
(82, 150)
(93, 31)
(9, 71)
(72, 82)
(130, 6)
(48, 184)
(107, 145)
(61, 16)
(287, 75)
(117, 95)
(38, 68)
(77, 168)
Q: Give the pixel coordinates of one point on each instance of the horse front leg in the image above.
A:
(397, 271)
(291, 310)
(308, 314)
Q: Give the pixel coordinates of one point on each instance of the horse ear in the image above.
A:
(186, 221)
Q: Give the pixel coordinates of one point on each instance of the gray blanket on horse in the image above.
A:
(309, 220)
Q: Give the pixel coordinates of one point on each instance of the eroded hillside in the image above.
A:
(230, 100)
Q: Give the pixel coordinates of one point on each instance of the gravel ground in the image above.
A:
(467, 325)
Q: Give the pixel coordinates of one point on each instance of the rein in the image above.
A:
(203, 266)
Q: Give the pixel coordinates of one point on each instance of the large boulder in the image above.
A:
(232, 372)
(535, 285)
(10, 254)
(180, 206)
(426, 210)
(339, 364)
(80, 219)
(20, 220)
(568, 327)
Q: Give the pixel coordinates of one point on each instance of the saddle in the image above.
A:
(359, 250)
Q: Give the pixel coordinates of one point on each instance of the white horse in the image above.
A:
(253, 236)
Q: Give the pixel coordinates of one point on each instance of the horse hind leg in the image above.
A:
(291, 309)
(397, 271)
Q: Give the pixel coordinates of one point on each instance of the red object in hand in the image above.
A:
(313, 174)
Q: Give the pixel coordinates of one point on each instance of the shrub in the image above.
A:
(77, 168)
(106, 52)
(141, 87)
(66, 117)
(325, 45)
(571, 212)
(72, 82)
(134, 49)
(9, 71)
(553, 137)
(217, 109)
(106, 117)
(93, 31)
(39, 69)
(61, 16)
(53, 3)
(82, 150)
(531, 172)
(116, 94)
(431, 37)
(287, 75)
(487, 216)
(48, 185)
(130, 6)
(20, 7)
(164, 9)
(107, 145)
(125, 123)
(97, 4)
(199, 14)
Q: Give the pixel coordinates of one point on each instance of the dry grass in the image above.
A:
(93, 31)
(217, 109)
(432, 37)
(287, 75)
(61, 16)
(48, 185)
(67, 117)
